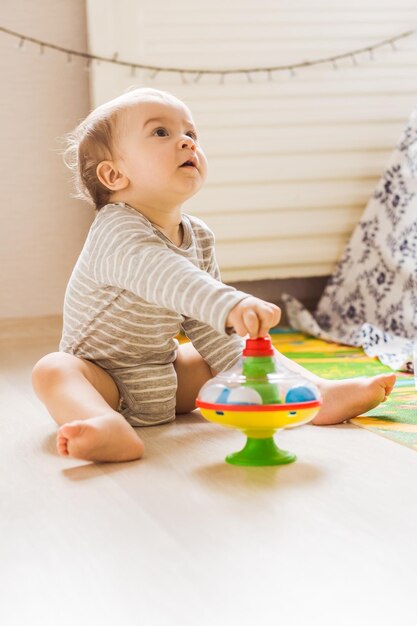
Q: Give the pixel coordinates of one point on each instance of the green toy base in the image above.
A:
(260, 452)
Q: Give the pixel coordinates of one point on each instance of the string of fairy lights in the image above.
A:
(196, 74)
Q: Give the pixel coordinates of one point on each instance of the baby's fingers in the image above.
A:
(251, 321)
(269, 319)
(240, 327)
(265, 326)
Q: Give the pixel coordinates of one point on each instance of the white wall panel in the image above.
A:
(43, 97)
(292, 161)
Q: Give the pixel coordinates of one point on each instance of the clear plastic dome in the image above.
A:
(239, 387)
(258, 379)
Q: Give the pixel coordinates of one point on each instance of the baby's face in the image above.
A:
(158, 151)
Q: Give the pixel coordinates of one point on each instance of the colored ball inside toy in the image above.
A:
(300, 393)
(244, 395)
(215, 394)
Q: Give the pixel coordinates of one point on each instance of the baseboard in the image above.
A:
(307, 290)
(46, 327)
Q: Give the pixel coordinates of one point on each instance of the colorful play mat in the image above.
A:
(395, 419)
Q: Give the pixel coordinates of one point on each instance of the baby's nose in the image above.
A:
(187, 142)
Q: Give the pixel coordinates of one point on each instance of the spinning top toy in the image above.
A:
(259, 396)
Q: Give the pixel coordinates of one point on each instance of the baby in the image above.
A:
(146, 272)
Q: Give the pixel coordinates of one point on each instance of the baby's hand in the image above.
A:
(253, 316)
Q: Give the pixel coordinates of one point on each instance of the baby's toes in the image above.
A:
(389, 384)
(66, 434)
(62, 445)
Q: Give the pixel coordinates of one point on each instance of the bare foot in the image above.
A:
(343, 399)
(105, 438)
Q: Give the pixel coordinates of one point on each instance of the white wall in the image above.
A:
(41, 228)
(293, 161)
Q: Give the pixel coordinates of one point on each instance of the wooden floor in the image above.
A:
(182, 538)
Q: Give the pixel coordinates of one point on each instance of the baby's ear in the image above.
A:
(111, 177)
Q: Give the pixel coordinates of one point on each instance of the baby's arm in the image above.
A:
(219, 350)
(251, 315)
(126, 253)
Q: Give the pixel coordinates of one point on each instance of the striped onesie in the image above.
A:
(131, 292)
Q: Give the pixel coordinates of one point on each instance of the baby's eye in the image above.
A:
(192, 134)
(160, 132)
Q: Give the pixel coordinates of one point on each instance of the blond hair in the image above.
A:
(93, 141)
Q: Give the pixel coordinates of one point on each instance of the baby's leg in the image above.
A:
(192, 372)
(346, 398)
(82, 398)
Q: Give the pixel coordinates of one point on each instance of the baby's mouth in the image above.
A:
(189, 163)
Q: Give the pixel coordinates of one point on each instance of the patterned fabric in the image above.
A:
(371, 299)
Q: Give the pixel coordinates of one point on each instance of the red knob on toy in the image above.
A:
(261, 346)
